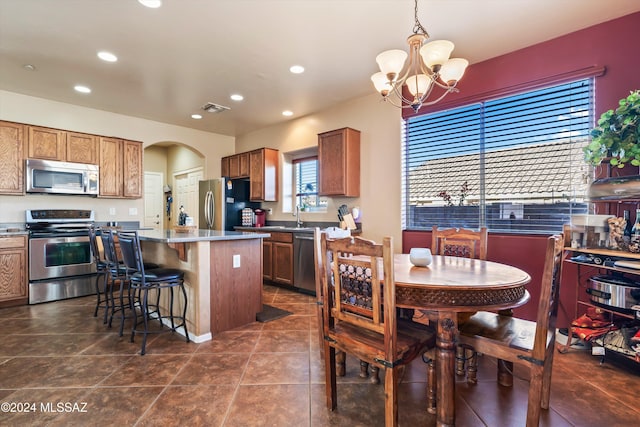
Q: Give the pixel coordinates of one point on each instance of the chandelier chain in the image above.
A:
(417, 26)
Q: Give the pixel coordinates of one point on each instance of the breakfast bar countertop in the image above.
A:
(172, 236)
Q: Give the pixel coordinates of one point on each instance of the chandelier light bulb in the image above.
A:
(381, 83)
(436, 53)
(418, 84)
(391, 62)
(453, 70)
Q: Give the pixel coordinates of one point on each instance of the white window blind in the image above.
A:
(513, 164)
(306, 172)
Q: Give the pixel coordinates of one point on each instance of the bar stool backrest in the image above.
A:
(131, 252)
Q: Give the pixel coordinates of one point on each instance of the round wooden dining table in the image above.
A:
(448, 286)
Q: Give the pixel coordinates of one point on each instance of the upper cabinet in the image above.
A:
(120, 168)
(235, 166)
(263, 175)
(82, 148)
(339, 163)
(261, 167)
(55, 144)
(12, 155)
(47, 144)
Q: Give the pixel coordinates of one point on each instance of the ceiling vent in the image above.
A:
(210, 107)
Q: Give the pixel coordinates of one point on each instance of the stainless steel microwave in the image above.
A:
(48, 176)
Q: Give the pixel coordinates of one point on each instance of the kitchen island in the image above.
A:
(223, 275)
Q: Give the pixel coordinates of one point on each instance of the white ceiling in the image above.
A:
(174, 59)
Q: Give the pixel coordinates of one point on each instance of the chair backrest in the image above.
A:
(459, 242)
(96, 248)
(549, 296)
(131, 251)
(355, 295)
(109, 247)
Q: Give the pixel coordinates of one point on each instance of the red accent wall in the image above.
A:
(614, 45)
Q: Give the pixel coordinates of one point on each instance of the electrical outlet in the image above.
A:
(236, 261)
(133, 211)
(597, 351)
(112, 211)
(269, 211)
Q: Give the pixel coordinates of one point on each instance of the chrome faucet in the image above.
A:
(297, 214)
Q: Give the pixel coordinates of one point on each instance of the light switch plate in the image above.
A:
(133, 211)
(236, 261)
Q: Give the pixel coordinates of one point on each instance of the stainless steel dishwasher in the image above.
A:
(304, 276)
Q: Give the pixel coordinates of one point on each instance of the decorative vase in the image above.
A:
(420, 257)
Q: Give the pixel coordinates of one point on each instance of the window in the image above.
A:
(513, 164)
(306, 179)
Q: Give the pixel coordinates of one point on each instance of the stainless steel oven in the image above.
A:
(60, 259)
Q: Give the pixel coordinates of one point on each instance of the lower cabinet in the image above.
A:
(277, 258)
(13, 270)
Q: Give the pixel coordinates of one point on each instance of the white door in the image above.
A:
(153, 200)
(186, 193)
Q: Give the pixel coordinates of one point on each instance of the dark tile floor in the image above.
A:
(62, 367)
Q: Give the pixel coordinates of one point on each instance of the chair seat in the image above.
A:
(510, 331)
(159, 275)
(412, 340)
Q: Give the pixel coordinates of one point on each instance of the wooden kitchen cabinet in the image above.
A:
(55, 144)
(120, 168)
(277, 258)
(13, 270)
(263, 175)
(12, 155)
(82, 148)
(46, 144)
(235, 166)
(339, 163)
(224, 166)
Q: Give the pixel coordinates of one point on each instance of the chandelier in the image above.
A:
(429, 67)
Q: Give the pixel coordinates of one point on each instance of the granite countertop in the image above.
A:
(12, 232)
(171, 236)
(270, 228)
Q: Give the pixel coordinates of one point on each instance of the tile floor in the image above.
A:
(71, 370)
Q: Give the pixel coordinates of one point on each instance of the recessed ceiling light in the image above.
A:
(29, 67)
(107, 56)
(237, 97)
(82, 89)
(196, 116)
(287, 113)
(151, 3)
(297, 69)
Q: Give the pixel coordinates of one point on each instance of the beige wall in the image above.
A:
(42, 112)
(380, 125)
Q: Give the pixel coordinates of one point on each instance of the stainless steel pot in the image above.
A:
(616, 292)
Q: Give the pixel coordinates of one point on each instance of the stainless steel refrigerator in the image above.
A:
(221, 203)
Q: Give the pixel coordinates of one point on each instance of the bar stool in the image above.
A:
(157, 279)
(102, 292)
(117, 274)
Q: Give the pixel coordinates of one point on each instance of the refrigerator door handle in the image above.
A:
(209, 209)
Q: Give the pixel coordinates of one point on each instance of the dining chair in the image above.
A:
(340, 355)
(359, 315)
(522, 341)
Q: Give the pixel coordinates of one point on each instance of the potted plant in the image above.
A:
(617, 135)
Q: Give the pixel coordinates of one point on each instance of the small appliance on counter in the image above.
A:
(248, 217)
(261, 217)
(615, 292)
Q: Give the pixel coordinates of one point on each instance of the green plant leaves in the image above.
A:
(617, 134)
